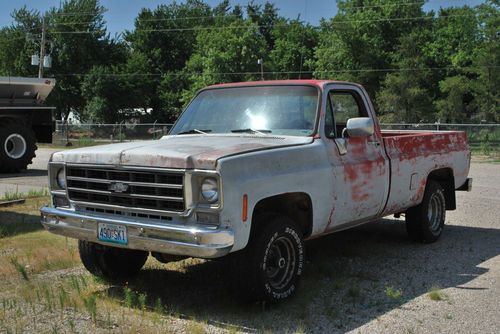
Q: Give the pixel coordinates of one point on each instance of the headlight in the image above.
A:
(61, 178)
(209, 190)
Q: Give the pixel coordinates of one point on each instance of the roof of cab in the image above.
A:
(318, 83)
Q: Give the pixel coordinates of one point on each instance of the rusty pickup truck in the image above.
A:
(252, 170)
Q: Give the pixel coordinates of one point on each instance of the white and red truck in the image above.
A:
(252, 170)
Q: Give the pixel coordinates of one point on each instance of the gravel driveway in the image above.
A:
(370, 279)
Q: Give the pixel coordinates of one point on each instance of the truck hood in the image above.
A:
(185, 151)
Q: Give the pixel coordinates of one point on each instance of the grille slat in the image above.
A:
(134, 189)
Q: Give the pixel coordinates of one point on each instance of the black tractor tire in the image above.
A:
(17, 145)
(425, 222)
(111, 263)
(271, 265)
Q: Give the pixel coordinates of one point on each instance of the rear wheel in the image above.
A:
(273, 261)
(17, 146)
(110, 262)
(425, 221)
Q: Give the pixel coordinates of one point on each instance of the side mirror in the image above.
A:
(360, 127)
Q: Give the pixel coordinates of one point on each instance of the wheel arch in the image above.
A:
(446, 178)
(295, 205)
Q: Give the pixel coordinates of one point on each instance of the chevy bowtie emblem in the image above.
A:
(118, 187)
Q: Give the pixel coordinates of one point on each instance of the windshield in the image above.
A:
(282, 110)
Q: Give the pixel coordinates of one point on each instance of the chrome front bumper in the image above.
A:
(203, 242)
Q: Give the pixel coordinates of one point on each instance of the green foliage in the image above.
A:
(293, 50)
(393, 293)
(225, 55)
(416, 65)
(455, 104)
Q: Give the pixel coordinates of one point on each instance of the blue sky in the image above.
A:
(121, 13)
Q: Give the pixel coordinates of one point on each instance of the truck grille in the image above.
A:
(133, 189)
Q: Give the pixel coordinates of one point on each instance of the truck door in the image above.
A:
(359, 165)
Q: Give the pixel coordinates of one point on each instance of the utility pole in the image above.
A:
(260, 61)
(42, 49)
(42, 60)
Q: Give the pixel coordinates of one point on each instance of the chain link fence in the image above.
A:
(484, 137)
(85, 134)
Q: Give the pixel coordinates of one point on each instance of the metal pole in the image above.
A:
(42, 49)
(121, 139)
(260, 61)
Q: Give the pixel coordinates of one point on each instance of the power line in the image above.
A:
(252, 26)
(181, 74)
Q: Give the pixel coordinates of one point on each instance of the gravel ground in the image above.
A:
(370, 279)
(465, 263)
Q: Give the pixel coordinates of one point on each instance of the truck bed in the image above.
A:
(414, 155)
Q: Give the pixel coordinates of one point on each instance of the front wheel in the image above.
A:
(425, 222)
(273, 261)
(111, 262)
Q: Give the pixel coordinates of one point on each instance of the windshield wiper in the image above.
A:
(249, 130)
(203, 132)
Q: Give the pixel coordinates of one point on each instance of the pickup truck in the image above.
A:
(252, 170)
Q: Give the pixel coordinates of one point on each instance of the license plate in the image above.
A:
(112, 233)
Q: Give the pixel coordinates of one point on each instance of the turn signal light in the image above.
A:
(244, 212)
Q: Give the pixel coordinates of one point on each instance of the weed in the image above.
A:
(90, 304)
(158, 306)
(195, 328)
(75, 284)
(63, 298)
(436, 294)
(85, 141)
(393, 293)
(32, 193)
(141, 299)
(20, 268)
(129, 297)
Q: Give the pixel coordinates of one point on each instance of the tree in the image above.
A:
(161, 43)
(225, 54)
(293, 50)
(359, 41)
(15, 48)
(456, 104)
(487, 64)
(80, 42)
(405, 95)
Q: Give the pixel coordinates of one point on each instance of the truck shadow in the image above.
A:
(14, 223)
(25, 173)
(351, 278)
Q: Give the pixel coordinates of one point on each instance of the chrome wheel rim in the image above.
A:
(15, 146)
(435, 212)
(281, 263)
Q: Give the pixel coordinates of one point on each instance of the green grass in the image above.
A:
(436, 294)
(393, 293)
(32, 193)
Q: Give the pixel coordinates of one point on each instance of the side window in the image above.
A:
(345, 105)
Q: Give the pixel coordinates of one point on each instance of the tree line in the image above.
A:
(418, 66)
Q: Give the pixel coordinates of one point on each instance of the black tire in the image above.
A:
(273, 261)
(17, 145)
(425, 222)
(110, 262)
